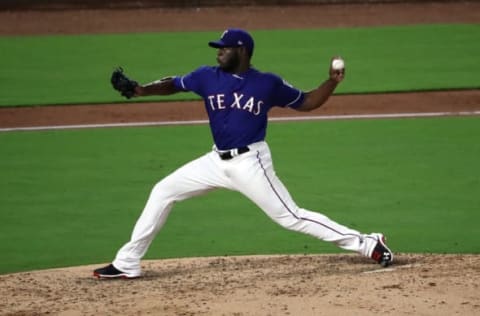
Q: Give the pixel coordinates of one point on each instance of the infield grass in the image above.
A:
(40, 70)
(72, 197)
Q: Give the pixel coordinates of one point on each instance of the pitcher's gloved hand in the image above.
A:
(123, 84)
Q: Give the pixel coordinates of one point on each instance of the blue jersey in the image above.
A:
(237, 105)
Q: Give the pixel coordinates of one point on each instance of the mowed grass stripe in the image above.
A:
(76, 69)
(72, 197)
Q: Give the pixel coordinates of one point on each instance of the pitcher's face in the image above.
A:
(228, 58)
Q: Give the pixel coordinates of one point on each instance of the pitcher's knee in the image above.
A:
(290, 222)
(161, 191)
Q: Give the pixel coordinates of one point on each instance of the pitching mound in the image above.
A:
(256, 285)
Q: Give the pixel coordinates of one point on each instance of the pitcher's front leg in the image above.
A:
(194, 178)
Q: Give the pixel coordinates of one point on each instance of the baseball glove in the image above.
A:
(123, 84)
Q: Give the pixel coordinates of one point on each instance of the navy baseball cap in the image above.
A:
(234, 38)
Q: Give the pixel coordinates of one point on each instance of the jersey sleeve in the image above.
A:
(192, 81)
(286, 95)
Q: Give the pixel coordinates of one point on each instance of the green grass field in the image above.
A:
(40, 70)
(72, 197)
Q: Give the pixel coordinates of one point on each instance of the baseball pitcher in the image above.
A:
(237, 99)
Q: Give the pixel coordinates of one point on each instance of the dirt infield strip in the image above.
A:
(420, 284)
(453, 102)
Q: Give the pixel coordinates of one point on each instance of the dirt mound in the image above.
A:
(256, 285)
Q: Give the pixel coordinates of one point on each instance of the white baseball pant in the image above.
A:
(251, 174)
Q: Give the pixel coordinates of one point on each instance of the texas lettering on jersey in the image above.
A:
(250, 104)
(237, 104)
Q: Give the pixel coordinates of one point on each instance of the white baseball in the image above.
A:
(338, 64)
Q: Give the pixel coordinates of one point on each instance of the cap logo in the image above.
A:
(240, 43)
